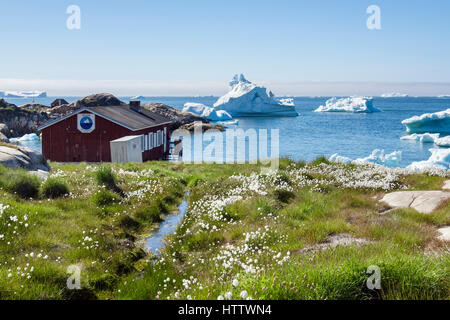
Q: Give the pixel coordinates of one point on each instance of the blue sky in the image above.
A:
(194, 47)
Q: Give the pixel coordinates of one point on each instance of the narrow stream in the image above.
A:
(156, 242)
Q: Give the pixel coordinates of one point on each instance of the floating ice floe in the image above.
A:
(394, 95)
(429, 122)
(27, 137)
(443, 142)
(247, 99)
(206, 112)
(422, 138)
(429, 138)
(228, 123)
(440, 159)
(377, 156)
(350, 104)
(24, 94)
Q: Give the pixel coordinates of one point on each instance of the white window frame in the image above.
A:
(165, 139)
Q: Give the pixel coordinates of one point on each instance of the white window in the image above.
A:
(150, 139)
(165, 139)
(142, 143)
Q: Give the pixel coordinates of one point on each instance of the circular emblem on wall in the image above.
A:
(86, 122)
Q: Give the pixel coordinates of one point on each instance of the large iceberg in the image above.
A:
(206, 112)
(25, 94)
(440, 159)
(429, 122)
(350, 104)
(248, 99)
(377, 156)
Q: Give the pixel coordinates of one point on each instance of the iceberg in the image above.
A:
(27, 137)
(429, 138)
(25, 94)
(228, 123)
(440, 160)
(394, 95)
(429, 122)
(377, 156)
(247, 99)
(422, 138)
(206, 112)
(138, 98)
(443, 142)
(350, 104)
(337, 158)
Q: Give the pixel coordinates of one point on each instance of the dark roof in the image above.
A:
(133, 119)
(121, 115)
(60, 101)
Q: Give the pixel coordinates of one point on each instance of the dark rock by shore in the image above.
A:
(178, 117)
(20, 121)
(203, 126)
(3, 130)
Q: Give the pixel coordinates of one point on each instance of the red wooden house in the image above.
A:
(85, 134)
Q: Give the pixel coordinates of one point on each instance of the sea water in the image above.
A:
(315, 134)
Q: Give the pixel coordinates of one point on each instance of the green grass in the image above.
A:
(55, 188)
(20, 182)
(96, 216)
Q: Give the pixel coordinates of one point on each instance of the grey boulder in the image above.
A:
(20, 157)
(421, 201)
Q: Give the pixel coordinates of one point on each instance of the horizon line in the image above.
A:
(184, 88)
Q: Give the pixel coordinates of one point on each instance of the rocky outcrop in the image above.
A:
(446, 185)
(178, 117)
(444, 234)
(19, 157)
(202, 126)
(94, 100)
(334, 241)
(20, 121)
(4, 104)
(421, 201)
(3, 130)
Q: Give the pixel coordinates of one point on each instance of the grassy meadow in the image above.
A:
(248, 233)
